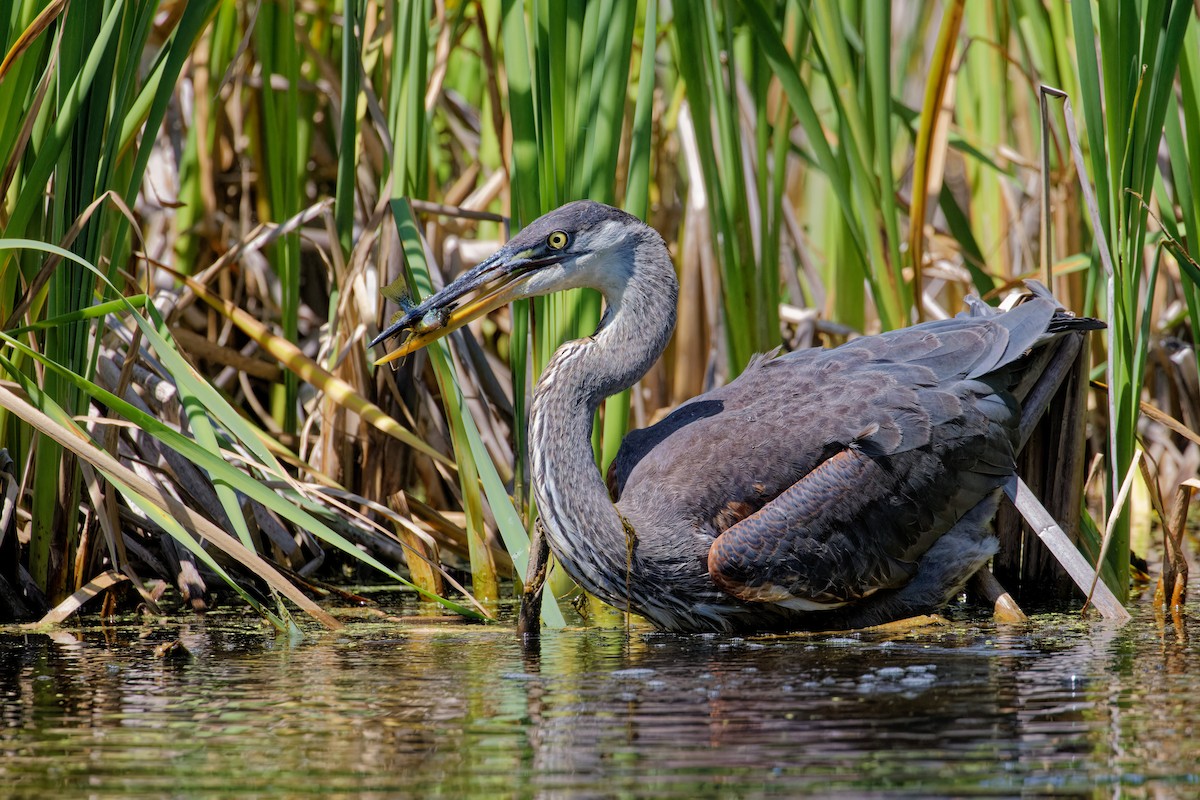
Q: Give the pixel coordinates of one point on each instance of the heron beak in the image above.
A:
(497, 279)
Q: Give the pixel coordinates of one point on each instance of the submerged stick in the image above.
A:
(1175, 566)
(1063, 549)
(529, 618)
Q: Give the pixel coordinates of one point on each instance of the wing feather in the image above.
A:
(821, 476)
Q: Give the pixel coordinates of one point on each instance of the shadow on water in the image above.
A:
(1055, 707)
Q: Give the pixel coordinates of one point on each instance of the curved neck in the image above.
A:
(582, 524)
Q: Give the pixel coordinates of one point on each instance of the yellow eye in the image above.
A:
(556, 240)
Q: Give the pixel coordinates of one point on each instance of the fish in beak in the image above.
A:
(496, 281)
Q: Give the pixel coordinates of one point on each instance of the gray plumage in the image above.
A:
(821, 488)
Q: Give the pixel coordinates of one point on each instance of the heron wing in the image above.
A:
(852, 526)
(826, 473)
(799, 409)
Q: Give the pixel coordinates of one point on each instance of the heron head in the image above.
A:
(580, 244)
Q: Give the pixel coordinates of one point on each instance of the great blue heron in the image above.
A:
(840, 487)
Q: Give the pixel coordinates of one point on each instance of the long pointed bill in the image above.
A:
(498, 280)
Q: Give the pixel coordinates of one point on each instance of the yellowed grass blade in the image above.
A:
(1158, 415)
(929, 157)
(1110, 526)
(86, 592)
(311, 372)
(36, 28)
(119, 474)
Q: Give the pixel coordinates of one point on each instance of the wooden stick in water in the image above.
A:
(529, 618)
(1063, 549)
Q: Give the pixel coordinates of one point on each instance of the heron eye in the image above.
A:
(556, 240)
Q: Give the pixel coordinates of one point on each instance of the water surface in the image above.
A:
(419, 708)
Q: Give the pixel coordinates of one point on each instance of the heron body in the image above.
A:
(822, 488)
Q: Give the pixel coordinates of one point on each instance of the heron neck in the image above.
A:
(582, 525)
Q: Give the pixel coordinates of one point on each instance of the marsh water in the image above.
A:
(419, 707)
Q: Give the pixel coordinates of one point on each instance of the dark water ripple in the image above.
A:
(1057, 707)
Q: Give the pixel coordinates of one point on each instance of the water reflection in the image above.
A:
(1057, 707)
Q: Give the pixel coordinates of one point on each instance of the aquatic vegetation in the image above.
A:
(200, 203)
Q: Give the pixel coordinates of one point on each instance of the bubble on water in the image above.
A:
(633, 673)
(913, 681)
